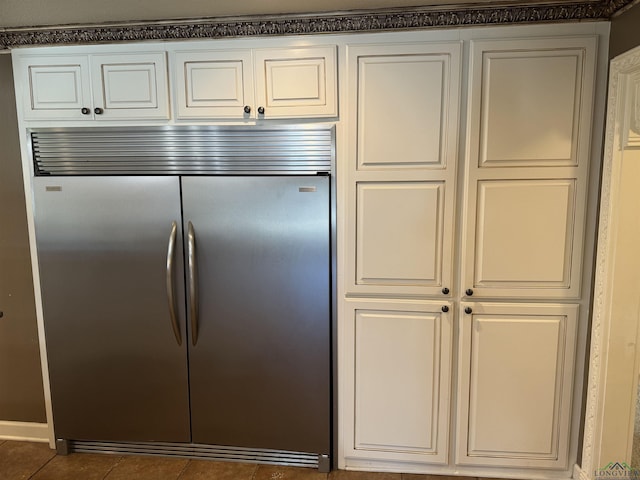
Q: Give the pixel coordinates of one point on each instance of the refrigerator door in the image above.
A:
(260, 316)
(116, 367)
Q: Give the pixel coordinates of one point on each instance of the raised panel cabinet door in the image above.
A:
(399, 232)
(529, 148)
(515, 384)
(525, 237)
(404, 110)
(296, 82)
(406, 105)
(214, 84)
(54, 87)
(130, 86)
(400, 390)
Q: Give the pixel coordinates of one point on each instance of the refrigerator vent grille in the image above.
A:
(182, 150)
(197, 451)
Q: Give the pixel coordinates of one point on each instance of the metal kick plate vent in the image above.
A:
(198, 451)
(183, 150)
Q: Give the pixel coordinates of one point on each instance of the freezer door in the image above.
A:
(260, 345)
(116, 367)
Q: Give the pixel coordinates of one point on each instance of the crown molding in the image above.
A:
(338, 22)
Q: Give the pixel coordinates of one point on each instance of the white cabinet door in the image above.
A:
(130, 86)
(296, 82)
(97, 86)
(398, 398)
(262, 84)
(402, 167)
(55, 87)
(527, 167)
(214, 84)
(515, 384)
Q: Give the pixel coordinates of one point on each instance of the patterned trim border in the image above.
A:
(593, 441)
(269, 25)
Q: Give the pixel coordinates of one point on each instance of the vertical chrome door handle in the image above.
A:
(171, 287)
(193, 282)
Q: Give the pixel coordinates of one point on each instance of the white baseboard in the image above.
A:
(579, 474)
(24, 431)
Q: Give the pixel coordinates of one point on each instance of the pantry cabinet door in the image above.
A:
(55, 87)
(527, 167)
(400, 392)
(402, 168)
(130, 86)
(296, 82)
(214, 84)
(515, 384)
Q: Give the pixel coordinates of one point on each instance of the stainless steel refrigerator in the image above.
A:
(192, 305)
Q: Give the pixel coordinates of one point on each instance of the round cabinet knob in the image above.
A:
(1, 314)
(469, 292)
(247, 109)
(445, 309)
(85, 111)
(98, 111)
(261, 110)
(445, 291)
(468, 310)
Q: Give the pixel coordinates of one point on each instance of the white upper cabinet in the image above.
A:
(126, 86)
(403, 134)
(269, 83)
(130, 86)
(214, 84)
(530, 104)
(55, 87)
(296, 82)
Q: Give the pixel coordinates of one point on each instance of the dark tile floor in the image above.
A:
(35, 461)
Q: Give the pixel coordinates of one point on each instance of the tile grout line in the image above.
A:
(115, 464)
(186, 465)
(42, 466)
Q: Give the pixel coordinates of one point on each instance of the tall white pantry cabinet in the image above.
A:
(464, 261)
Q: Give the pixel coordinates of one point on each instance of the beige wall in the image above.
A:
(21, 392)
(625, 31)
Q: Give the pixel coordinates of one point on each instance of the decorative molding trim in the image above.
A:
(632, 120)
(591, 445)
(338, 22)
(579, 474)
(24, 431)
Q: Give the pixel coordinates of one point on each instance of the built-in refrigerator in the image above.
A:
(186, 287)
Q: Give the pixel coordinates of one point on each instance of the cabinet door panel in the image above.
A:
(524, 233)
(516, 383)
(530, 106)
(403, 124)
(403, 101)
(402, 367)
(541, 127)
(214, 84)
(55, 87)
(297, 82)
(130, 86)
(399, 233)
